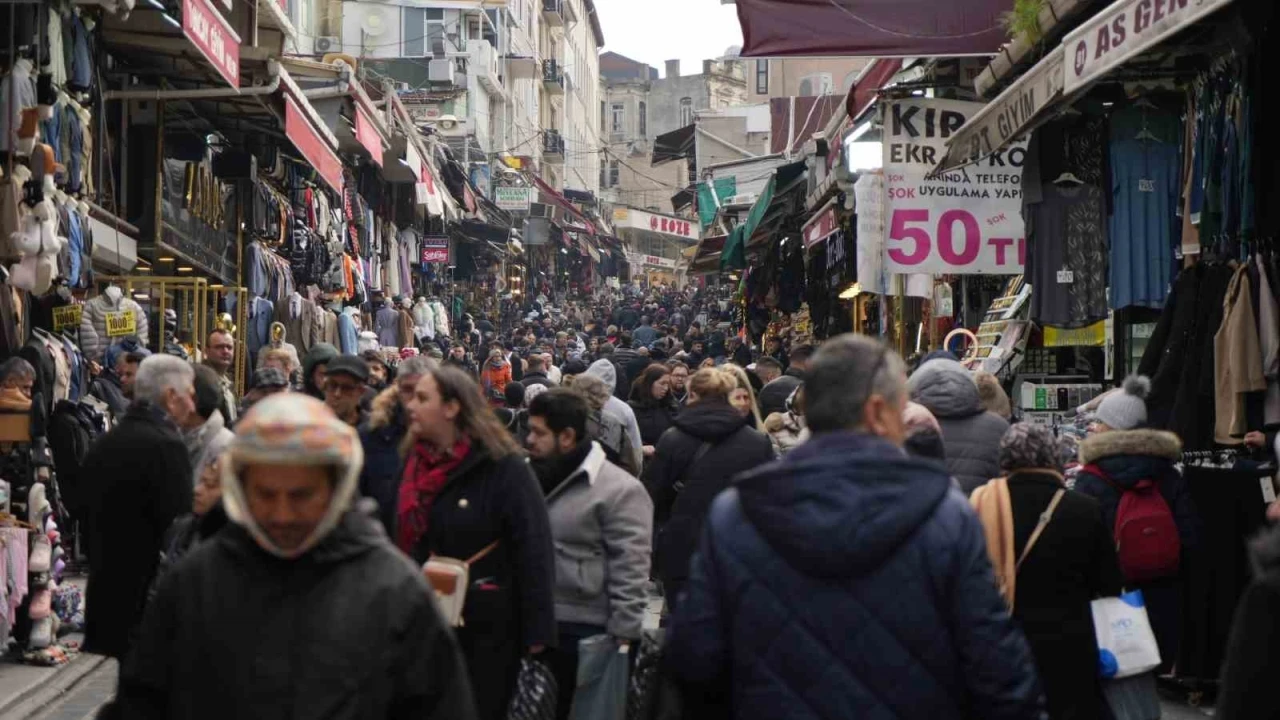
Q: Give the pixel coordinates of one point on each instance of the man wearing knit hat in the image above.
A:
(331, 618)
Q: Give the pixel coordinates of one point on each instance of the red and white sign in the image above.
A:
(962, 222)
(311, 145)
(1123, 30)
(820, 227)
(652, 261)
(624, 217)
(368, 136)
(212, 35)
(435, 248)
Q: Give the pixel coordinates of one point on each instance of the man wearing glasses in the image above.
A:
(344, 386)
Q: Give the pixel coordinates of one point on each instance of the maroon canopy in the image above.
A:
(871, 28)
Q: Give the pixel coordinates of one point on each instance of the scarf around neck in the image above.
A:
(425, 475)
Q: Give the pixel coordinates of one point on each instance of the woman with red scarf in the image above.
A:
(465, 486)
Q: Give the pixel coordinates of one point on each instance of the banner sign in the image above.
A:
(368, 136)
(1125, 29)
(67, 317)
(964, 222)
(513, 199)
(435, 248)
(626, 217)
(212, 35)
(820, 227)
(313, 147)
(122, 324)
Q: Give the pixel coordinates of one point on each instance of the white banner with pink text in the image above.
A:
(964, 222)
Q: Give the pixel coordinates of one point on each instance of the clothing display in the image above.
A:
(95, 335)
(1237, 359)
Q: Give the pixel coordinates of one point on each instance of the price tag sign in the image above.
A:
(121, 324)
(67, 317)
(965, 221)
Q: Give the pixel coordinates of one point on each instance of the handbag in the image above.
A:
(1126, 644)
(449, 578)
(603, 671)
(535, 694)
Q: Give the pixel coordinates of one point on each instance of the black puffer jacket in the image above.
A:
(682, 489)
(1252, 653)
(346, 631)
(970, 434)
(654, 419)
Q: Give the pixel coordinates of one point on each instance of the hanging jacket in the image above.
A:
(93, 324)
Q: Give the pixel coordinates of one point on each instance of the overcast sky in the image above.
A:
(654, 31)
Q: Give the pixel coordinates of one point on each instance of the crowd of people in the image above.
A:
(823, 530)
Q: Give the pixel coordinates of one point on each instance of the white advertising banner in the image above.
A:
(964, 222)
(868, 195)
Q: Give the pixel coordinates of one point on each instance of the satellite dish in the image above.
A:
(373, 24)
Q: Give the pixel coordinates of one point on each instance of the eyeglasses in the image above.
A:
(341, 388)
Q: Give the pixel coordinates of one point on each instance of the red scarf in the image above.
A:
(424, 476)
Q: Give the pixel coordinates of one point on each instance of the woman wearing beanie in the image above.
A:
(1049, 571)
(1122, 456)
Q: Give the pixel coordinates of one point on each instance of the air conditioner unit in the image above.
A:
(328, 44)
(746, 199)
(541, 210)
(440, 71)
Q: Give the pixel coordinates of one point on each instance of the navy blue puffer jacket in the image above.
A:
(850, 581)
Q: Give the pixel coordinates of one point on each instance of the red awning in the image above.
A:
(863, 92)
(564, 203)
(871, 28)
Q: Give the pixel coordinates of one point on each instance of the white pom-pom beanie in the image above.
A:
(1127, 409)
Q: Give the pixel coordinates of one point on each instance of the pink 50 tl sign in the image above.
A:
(966, 221)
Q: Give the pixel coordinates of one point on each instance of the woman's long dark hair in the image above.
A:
(476, 417)
(642, 388)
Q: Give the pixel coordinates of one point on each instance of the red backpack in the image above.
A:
(1147, 541)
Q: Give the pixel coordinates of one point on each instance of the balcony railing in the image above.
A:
(553, 12)
(553, 145)
(553, 79)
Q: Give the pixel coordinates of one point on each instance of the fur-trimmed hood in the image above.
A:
(384, 409)
(1148, 443)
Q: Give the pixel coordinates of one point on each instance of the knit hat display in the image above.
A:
(1127, 409)
(1027, 446)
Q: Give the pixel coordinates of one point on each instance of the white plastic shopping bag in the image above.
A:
(1126, 644)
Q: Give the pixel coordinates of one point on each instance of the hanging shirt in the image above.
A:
(1144, 192)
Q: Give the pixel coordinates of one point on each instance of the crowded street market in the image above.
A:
(450, 359)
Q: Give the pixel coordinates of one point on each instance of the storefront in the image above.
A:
(656, 244)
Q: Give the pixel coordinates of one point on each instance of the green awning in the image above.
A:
(734, 256)
(726, 188)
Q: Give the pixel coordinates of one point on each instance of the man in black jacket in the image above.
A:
(301, 606)
(537, 372)
(142, 480)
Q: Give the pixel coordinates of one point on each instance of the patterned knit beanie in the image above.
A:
(1026, 446)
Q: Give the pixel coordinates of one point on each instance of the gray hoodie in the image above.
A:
(604, 370)
(970, 434)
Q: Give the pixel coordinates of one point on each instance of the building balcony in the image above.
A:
(486, 66)
(553, 147)
(553, 78)
(553, 12)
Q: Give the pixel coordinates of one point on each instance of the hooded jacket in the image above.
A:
(683, 489)
(970, 434)
(320, 354)
(380, 436)
(207, 442)
(827, 583)
(606, 372)
(602, 526)
(1252, 655)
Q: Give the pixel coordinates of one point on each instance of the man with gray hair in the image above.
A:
(141, 482)
(848, 571)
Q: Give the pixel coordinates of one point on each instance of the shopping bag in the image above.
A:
(1126, 644)
(603, 670)
(1133, 698)
(535, 695)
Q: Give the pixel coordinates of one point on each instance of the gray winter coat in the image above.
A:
(970, 434)
(602, 526)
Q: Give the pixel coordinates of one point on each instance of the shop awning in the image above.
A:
(562, 202)
(868, 85)
(675, 145)
(706, 258)
(871, 28)
(1010, 115)
(734, 255)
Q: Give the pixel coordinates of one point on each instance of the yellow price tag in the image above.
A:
(120, 324)
(67, 317)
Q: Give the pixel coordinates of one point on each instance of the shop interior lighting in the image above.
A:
(851, 292)
(164, 259)
(184, 268)
(217, 287)
(171, 20)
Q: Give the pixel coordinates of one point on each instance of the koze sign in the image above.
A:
(966, 221)
(1125, 29)
(212, 35)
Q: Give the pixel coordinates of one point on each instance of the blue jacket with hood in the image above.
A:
(850, 581)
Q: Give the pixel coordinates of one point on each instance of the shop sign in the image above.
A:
(1001, 120)
(820, 227)
(513, 199)
(435, 249)
(122, 324)
(368, 136)
(652, 261)
(311, 145)
(212, 35)
(67, 317)
(1094, 335)
(966, 221)
(655, 223)
(1125, 29)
